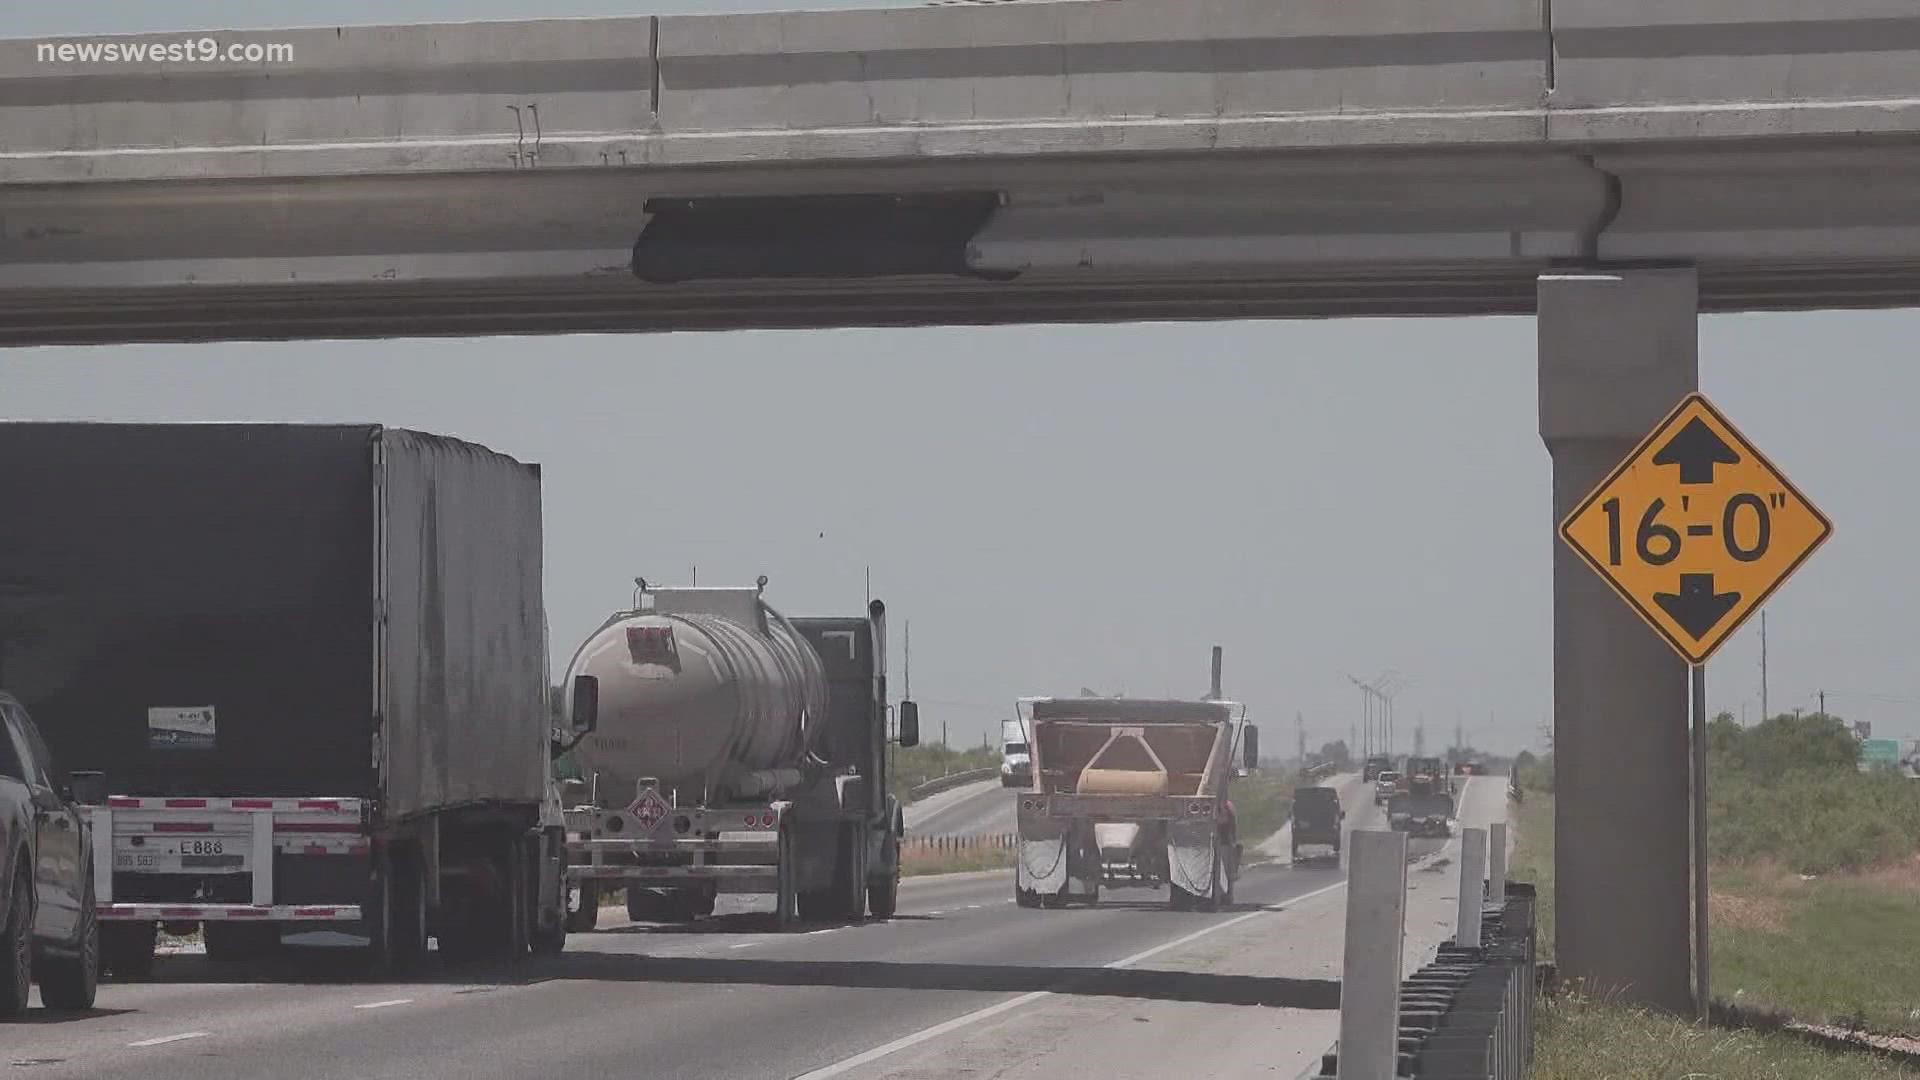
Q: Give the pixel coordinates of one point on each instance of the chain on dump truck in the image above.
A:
(1131, 792)
(302, 672)
(732, 749)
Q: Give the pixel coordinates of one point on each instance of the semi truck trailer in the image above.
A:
(1131, 791)
(308, 666)
(725, 747)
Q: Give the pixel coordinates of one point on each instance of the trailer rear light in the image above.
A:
(767, 819)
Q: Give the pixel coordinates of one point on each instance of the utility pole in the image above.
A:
(1300, 727)
(1823, 702)
(1763, 668)
(1420, 736)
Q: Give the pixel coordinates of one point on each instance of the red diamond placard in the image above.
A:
(647, 810)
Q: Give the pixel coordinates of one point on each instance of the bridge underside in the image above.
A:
(1098, 239)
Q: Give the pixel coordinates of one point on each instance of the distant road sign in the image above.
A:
(1880, 752)
(1695, 529)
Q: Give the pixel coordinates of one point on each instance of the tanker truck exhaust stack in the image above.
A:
(729, 748)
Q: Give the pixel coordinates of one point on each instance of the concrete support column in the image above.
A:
(1618, 349)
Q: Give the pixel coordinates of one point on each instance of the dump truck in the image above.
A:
(1423, 810)
(1131, 792)
(303, 670)
(722, 746)
(1433, 770)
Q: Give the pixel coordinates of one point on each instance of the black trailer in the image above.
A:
(309, 662)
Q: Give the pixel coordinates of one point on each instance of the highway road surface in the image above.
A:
(722, 999)
(982, 809)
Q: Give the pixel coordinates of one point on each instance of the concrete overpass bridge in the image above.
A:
(1105, 160)
(1612, 166)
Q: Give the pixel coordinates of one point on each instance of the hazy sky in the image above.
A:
(1054, 507)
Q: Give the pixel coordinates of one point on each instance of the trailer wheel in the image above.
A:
(1026, 898)
(126, 948)
(408, 923)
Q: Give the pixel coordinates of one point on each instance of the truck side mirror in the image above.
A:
(585, 714)
(87, 787)
(1250, 745)
(909, 724)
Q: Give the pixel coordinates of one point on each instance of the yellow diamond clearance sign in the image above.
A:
(1695, 529)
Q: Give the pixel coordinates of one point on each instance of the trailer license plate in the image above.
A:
(183, 855)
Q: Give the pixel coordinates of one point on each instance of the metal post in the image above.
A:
(1497, 862)
(1473, 874)
(1376, 940)
(1702, 988)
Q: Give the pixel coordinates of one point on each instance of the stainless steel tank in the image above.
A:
(711, 692)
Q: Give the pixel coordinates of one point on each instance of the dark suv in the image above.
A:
(47, 928)
(1318, 819)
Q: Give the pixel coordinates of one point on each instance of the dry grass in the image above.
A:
(1732, 911)
(1582, 1039)
(918, 861)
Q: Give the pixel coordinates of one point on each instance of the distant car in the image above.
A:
(47, 929)
(1385, 786)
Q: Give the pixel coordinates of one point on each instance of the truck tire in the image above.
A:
(1025, 898)
(408, 923)
(16, 945)
(853, 871)
(69, 982)
(883, 897)
(126, 949)
(586, 915)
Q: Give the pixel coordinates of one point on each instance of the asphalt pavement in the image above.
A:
(980, 809)
(724, 998)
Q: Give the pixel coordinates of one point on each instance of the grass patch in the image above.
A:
(918, 861)
(916, 765)
(1831, 950)
(1581, 1039)
(1532, 862)
(1261, 802)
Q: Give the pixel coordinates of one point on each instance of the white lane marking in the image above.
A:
(975, 907)
(942, 912)
(171, 1038)
(385, 1004)
(841, 1067)
(744, 945)
(828, 930)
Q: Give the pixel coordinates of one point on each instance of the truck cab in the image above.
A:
(1016, 757)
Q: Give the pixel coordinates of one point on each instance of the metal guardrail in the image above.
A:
(951, 780)
(1467, 1015)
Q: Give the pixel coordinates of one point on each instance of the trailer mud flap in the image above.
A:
(1042, 866)
(1190, 856)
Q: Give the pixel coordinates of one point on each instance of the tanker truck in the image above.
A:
(1131, 792)
(723, 747)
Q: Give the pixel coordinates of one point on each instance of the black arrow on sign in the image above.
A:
(1696, 607)
(1696, 449)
